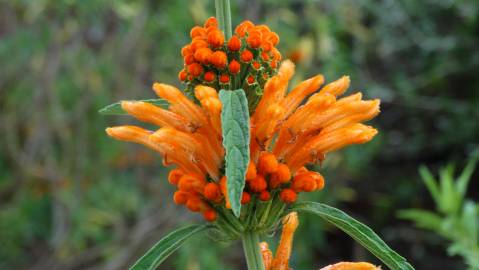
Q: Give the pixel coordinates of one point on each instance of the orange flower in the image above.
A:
(285, 136)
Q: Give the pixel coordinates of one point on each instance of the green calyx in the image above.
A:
(261, 217)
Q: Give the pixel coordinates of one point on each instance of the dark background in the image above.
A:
(71, 198)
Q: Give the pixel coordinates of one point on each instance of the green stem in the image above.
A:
(223, 14)
(252, 252)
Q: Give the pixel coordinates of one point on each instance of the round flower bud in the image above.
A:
(234, 67)
(234, 44)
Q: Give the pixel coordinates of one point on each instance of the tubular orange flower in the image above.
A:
(285, 136)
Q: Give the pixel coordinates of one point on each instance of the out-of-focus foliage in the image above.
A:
(456, 218)
(71, 198)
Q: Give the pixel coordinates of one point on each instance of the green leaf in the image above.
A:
(430, 183)
(466, 174)
(166, 246)
(424, 219)
(236, 136)
(115, 108)
(358, 231)
(450, 200)
(470, 222)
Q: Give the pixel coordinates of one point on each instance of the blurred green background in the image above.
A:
(71, 198)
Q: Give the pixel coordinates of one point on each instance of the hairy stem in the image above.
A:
(252, 252)
(223, 14)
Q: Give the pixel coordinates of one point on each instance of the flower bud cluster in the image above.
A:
(247, 60)
(265, 180)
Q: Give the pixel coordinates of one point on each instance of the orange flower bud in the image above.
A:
(180, 197)
(254, 40)
(243, 27)
(186, 50)
(234, 44)
(219, 59)
(209, 76)
(288, 195)
(245, 198)
(267, 163)
(195, 69)
(182, 75)
(191, 182)
(319, 179)
(266, 46)
(194, 204)
(264, 195)
(283, 173)
(189, 59)
(212, 192)
(273, 38)
(216, 39)
(203, 55)
(251, 171)
(276, 54)
(274, 181)
(211, 21)
(250, 79)
(198, 43)
(256, 65)
(307, 181)
(210, 215)
(265, 56)
(174, 176)
(197, 31)
(210, 29)
(258, 184)
(263, 28)
(246, 56)
(301, 170)
(234, 67)
(273, 64)
(225, 78)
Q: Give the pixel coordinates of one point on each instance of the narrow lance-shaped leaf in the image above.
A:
(115, 108)
(166, 246)
(236, 136)
(358, 231)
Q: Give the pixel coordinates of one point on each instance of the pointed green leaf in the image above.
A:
(430, 183)
(424, 219)
(236, 136)
(466, 174)
(358, 231)
(115, 108)
(166, 246)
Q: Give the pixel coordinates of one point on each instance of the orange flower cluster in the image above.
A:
(304, 134)
(247, 60)
(190, 137)
(285, 135)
